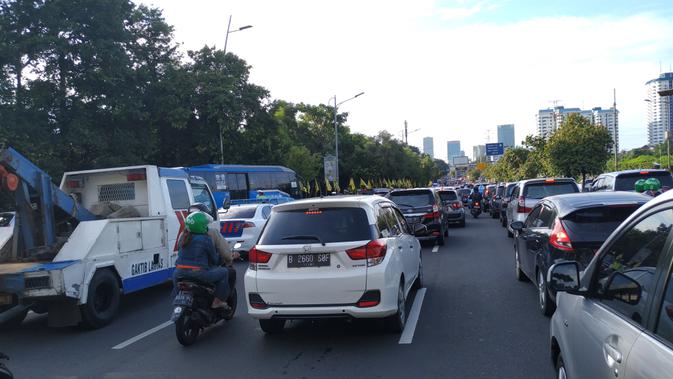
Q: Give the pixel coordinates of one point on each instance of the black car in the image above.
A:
(626, 180)
(496, 200)
(504, 201)
(567, 227)
(422, 206)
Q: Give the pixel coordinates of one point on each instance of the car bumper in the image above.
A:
(455, 217)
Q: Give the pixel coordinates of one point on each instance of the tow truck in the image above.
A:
(73, 250)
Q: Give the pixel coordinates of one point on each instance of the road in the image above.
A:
(475, 321)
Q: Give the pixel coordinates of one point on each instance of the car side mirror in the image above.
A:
(420, 229)
(623, 288)
(564, 277)
(226, 203)
(517, 225)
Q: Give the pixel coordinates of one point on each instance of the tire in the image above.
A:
(520, 276)
(272, 326)
(418, 283)
(462, 223)
(15, 321)
(232, 301)
(503, 221)
(396, 322)
(186, 331)
(546, 304)
(510, 234)
(561, 368)
(446, 231)
(102, 300)
(441, 239)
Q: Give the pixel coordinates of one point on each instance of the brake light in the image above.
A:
(433, 215)
(374, 252)
(644, 172)
(256, 301)
(248, 225)
(559, 238)
(456, 205)
(369, 299)
(136, 176)
(258, 256)
(521, 207)
(549, 180)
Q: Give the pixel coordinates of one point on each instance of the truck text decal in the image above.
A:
(145, 267)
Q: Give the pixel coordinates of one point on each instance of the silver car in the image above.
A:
(616, 318)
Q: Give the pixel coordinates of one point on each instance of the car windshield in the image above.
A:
(627, 182)
(542, 190)
(448, 195)
(308, 226)
(238, 212)
(413, 199)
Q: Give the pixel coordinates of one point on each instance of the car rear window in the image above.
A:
(604, 218)
(238, 212)
(464, 192)
(315, 225)
(627, 182)
(448, 195)
(542, 190)
(412, 198)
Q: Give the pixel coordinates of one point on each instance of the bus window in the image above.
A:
(261, 180)
(237, 186)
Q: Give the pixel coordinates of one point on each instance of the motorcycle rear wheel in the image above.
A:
(232, 301)
(185, 330)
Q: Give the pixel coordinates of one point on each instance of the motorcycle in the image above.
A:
(475, 210)
(192, 312)
(4, 371)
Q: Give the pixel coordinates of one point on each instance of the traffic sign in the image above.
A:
(495, 149)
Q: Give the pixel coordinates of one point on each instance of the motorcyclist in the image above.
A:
(198, 259)
(221, 244)
(475, 196)
(652, 187)
(640, 185)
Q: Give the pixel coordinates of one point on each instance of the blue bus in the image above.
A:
(243, 183)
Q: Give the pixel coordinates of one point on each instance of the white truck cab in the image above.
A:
(129, 246)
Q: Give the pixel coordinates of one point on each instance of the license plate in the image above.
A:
(5, 299)
(183, 299)
(308, 260)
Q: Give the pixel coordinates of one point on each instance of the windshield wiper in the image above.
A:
(305, 237)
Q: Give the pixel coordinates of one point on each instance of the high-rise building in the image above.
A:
(453, 150)
(506, 135)
(659, 108)
(549, 120)
(479, 152)
(609, 118)
(428, 147)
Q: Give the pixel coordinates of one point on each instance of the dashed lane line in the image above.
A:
(142, 335)
(410, 328)
(435, 249)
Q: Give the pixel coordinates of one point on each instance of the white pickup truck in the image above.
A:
(132, 245)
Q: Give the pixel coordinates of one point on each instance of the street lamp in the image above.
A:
(226, 39)
(336, 133)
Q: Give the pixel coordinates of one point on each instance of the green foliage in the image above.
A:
(95, 83)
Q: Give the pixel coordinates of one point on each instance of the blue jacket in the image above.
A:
(200, 252)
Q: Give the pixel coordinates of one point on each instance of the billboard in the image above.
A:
(495, 149)
(330, 165)
(461, 161)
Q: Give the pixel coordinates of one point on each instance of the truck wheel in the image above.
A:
(15, 321)
(102, 300)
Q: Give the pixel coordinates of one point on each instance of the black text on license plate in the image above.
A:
(308, 260)
(183, 299)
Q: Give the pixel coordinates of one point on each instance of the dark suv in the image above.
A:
(626, 180)
(422, 206)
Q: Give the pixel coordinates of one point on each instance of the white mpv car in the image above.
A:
(350, 256)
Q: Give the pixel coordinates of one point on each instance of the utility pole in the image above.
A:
(614, 125)
(406, 133)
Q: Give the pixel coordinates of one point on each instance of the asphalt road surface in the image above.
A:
(475, 321)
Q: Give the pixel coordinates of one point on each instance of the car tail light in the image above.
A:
(369, 299)
(550, 180)
(258, 256)
(256, 301)
(374, 252)
(521, 207)
(248, 225)
(456, 205)
(559, 237)
(433, 215)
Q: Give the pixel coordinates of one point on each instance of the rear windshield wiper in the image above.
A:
(305, 237)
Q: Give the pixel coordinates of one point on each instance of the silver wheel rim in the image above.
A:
(541, 289)
(516, 260)
(400, 305)
(562, 373)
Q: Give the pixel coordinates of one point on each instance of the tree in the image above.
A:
(579, 148)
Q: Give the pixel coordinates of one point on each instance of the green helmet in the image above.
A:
(653, 184)
(640, 185)
(197, 223)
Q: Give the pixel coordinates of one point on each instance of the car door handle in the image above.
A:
(612, 355)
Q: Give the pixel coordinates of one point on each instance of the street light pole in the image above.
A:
(226, 40)
(336, 134)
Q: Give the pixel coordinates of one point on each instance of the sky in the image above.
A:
(453, 69)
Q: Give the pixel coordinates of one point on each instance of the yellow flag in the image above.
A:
(430, 183)
(351, 186)
(362, 183)
(336, 186)
(328, 186)
(369, 184)
(316, 189)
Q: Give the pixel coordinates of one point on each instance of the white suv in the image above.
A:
(350, 256)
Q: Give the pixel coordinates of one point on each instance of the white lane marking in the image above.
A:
(435, 249)
(142, 335)
(409, 329)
